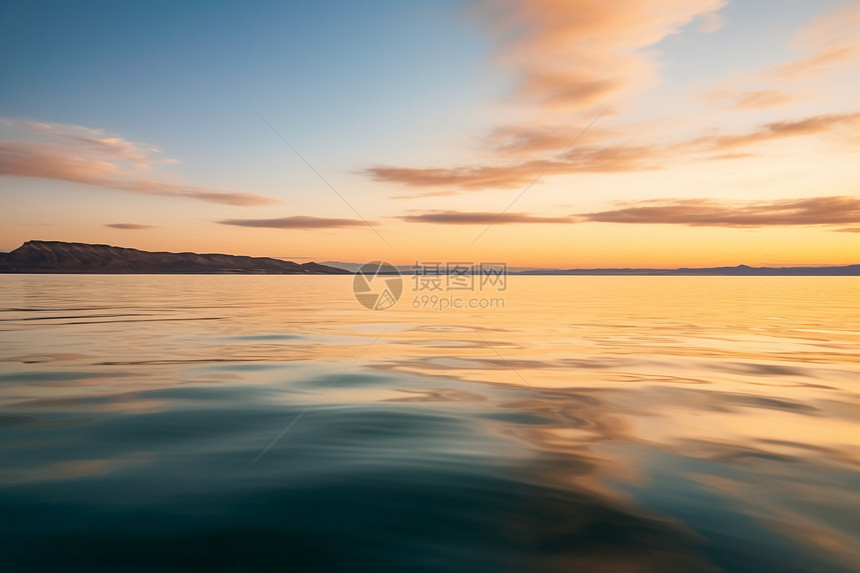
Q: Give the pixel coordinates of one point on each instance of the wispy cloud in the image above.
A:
(608, 159)
(736, 98)
(712, 23)
(296, 222)
(130, 226)
(479, 218)
(811, 65)
(568, 55)
(829, 41)
(783, 129)
(764, 99)
(826, 45)
(84, 141)
(612, 158)
(92, 157)
(728, 156)
(573, 54)
(426, 194)
(841, 210)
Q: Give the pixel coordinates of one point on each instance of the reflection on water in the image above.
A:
(594, 424)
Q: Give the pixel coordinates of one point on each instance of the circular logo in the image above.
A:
(377, 285)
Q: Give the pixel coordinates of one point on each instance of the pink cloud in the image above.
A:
(712, 23)
(840, 210)
(783, 129)
(565, 56)
(827, 45)
(611, 158)
(763, 99)
(297, 222)
(583, 55)
(473, 218)
(830, 41)
(130, 226)
(576, 53)
(81, 155)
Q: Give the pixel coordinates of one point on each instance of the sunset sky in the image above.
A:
(661, 133)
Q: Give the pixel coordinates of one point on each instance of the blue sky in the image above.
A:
(376, 94)
(191, 75)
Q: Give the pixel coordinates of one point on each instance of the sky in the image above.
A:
(554, 133)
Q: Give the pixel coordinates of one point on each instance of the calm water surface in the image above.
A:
(263, 423)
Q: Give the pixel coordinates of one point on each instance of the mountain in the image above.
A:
(410, 269)
(351, 267)
(740, 270)
(60, 257)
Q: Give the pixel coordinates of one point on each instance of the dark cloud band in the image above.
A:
(297, 222)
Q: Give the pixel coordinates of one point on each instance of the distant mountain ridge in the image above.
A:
(740, 270)
(411, 269)
(62, 257)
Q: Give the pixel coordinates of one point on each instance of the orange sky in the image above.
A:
(560, 133)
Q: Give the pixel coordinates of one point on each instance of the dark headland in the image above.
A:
(60, 257)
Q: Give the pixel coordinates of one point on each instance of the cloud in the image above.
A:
(727, 156)
(711, 23)
(763, 99)
(427, 194)
(526, 140)
(84, 140)
(81, 155)
(849, 230)
(751, 99)
(783, 129)
(608, 159)
(830, 41)
(146, 187)
(815, 64)
(842, 210)
(472, 218)
(826, 45)
(564, 56)
(130, 226)
(839, 210)
(296, 222)
(573, 54)
(465, 177)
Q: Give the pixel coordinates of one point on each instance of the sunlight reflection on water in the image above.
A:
(716, 426)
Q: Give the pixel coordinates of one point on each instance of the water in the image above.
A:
(593, 424)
